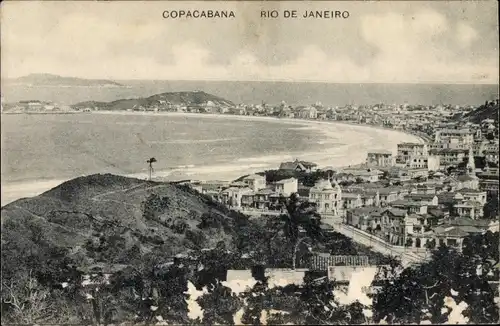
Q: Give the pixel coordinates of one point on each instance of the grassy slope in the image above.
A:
(86, 208)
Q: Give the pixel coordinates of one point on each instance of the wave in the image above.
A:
(190, 141)
(268, 158)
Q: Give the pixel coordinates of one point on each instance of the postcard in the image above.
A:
(249, 162)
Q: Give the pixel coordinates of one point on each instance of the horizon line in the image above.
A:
(427, 82)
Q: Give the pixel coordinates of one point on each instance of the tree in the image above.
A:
(25, 300)
(150, 162)
(219, 305)
(491, 207)
(301, 215)
(419, 292)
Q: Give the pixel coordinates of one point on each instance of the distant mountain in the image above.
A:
(55, 80)
(163, 100)
(489, 110)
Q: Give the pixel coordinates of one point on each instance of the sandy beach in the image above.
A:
(359, 140)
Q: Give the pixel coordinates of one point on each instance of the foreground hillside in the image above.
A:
(159, 100)
(133, 215)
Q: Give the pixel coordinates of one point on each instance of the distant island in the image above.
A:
(39, 80)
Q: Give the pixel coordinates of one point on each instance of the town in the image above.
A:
(433, 192)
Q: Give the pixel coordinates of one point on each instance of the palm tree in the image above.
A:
(150, 162)
(300, 215)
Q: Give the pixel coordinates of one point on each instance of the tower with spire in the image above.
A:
(471, 166)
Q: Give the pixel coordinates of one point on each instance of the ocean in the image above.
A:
(41, 151)
(296, 93)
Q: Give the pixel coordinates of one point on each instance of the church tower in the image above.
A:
(471, 166)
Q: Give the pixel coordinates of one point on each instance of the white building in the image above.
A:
(380, 159)
(286, 187)
(328, 197)
(255, 182)
(412, 154)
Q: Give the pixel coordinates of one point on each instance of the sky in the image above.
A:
(388, 41)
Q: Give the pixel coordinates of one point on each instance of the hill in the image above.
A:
(128, 214)
(488, 110)
(55, 80)
(162, 101)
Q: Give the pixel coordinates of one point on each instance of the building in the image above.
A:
(366, 175)
(255, 182)
(395, 225)
(463, 136)
(328, 197)
(232, 196)
(473, 195)
(427, 199)
(468, 208)
(307, 113)
(488, 181)
(298, 166)
(351, 200)
(450, 157)
(453, 232)
(380, 159)
(408, 152)
(365, 218)
(411, 207)
(388, 195)
(286, 187)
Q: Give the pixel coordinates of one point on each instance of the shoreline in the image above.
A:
(335, 158)
(262, 118)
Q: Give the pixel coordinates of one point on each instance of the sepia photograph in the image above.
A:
(249, 162)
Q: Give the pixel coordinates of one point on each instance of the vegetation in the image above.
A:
(418, 293)
(105, 249)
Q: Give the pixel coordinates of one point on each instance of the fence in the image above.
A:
(321, 263)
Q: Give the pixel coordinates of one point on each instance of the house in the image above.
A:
(262, 198)
(453, 232)
(380, 159)
(461, 135)
(286, 187)
(327, 197)
(395, 225)
(408, 152)
(298, 166)
(365, 218)
(425, 189)
(468, 208)
(232, 196)
(306, 112)
(367, 175)
(488, 181)
(473, 195)
(255, 182)
(410, 206)
(351, 200)
(388, 195)
(426, 199)
(450, 157)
